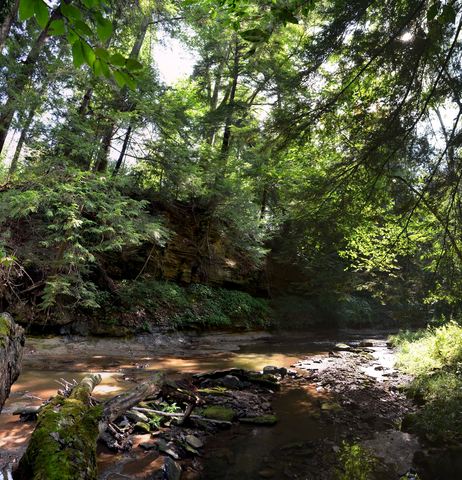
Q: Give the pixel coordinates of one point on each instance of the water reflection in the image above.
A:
(255, 452)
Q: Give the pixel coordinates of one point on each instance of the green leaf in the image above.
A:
(41, 13)
(129, 80)
(118, 60)
(90, 3)
(433, 11)
(72, 37)
(105, 69)
(26, 9)
(287, 16)
(57, 27)
(89, 54)
(133, 65)
(83, 28)
(102, 53)
(448, 15)
(104, 28)
(78, 56)
(255, 35)
(97, 69)
(71, 12)
(119, 78)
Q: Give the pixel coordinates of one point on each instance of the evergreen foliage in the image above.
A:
(322, 137)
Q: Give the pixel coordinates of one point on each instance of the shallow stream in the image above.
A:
(243, 452)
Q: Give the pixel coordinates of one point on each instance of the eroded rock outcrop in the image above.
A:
(11, 349)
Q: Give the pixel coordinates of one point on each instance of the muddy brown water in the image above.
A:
(242, 452)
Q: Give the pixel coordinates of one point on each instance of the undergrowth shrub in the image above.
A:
(62, 224)
(435, 348)
(196, 306)
(357, 463)
(434, 357)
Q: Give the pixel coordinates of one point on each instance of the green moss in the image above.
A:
(330, 407)
(63, 443)
(213, 391)
(261, 420)
(143, 427)
(218, 412)
(5, 329)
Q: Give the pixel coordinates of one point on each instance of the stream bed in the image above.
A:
(247, 452)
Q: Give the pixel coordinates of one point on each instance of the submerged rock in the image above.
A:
(267, 473)
(261, 420)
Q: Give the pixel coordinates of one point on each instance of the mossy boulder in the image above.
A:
(213, 391)
(330, 407)
(143, 427)
(219, 412)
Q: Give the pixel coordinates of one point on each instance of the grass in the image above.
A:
(434, 358)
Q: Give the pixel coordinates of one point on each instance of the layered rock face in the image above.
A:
(11, 350)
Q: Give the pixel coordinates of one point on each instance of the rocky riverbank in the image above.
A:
(365, 403)
(293, 422)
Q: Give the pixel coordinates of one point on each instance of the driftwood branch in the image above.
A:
(181, 415)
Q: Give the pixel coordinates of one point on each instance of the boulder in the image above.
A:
(172, 470)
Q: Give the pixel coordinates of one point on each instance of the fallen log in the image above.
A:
(181, 416)
(63, 444)
(11, 349)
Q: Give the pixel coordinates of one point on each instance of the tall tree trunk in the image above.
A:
(124, 149)
(11, 348)
(21, 141)
(226, 142)
(103, 154)
(67, 149)
(212, 129)
(18, 84)
(106, 139)
(8, 13)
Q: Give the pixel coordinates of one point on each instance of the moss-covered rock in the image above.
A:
(331, 406)
(213, 391)
(218, 412)
(143, 427)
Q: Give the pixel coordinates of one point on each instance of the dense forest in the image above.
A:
(312, 152)
(303, 174)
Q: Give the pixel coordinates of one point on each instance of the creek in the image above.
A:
(246, 452)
